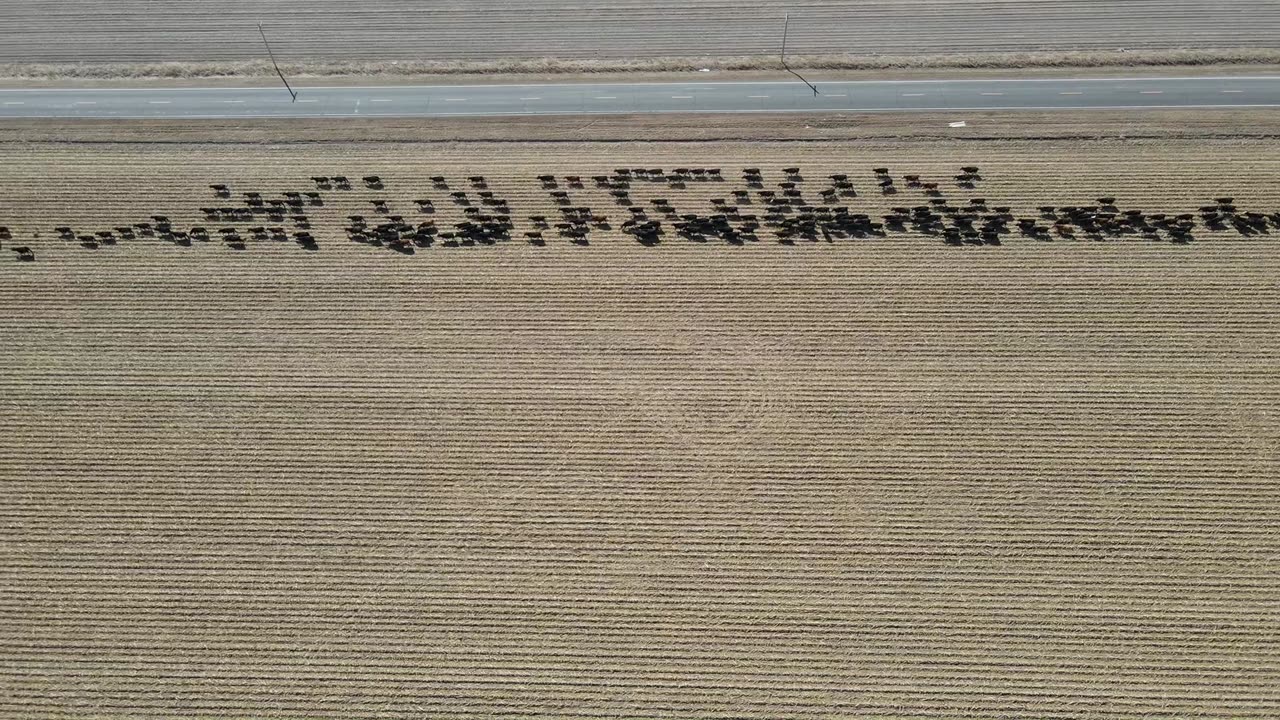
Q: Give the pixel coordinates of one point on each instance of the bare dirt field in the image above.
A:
(133, 37)
(868, 477)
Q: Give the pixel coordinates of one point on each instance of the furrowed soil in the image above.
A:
(136, 38)
(869, 478)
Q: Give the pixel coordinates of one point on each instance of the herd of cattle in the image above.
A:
(739, 215)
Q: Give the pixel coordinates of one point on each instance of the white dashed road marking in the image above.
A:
(1150, 92)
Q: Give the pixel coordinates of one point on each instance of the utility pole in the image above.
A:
(293, 94)
(785, 25)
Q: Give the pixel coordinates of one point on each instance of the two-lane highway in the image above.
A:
(612, 98)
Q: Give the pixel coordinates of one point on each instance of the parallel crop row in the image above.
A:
(872, 477)
(384, 30)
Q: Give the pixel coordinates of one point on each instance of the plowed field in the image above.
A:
(857, 477)
(45, 31)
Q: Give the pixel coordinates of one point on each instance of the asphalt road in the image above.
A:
(563, 99)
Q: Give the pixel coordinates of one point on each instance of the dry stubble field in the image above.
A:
(877, 478)
(381, 31)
